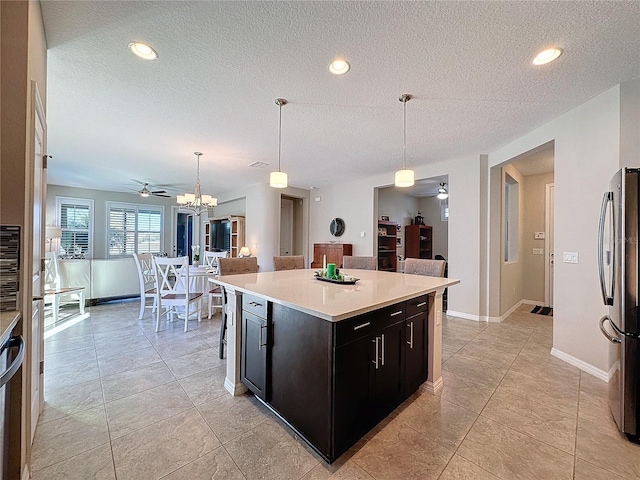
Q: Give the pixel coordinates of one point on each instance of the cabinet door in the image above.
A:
(389, 369)
(353, 385)
(253, 368)
(415, 358)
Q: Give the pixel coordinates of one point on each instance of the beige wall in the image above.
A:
(100, 199)
(587, 154)
(464, 222)
(534, 221)
(430, 209)
(511, 284)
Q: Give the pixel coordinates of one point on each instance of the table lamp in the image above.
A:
(52, 232)
(244, 252)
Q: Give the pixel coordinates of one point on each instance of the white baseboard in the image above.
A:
(234, 389)
(436, 386)
(582, 365)
(484, 318)
(466, 316)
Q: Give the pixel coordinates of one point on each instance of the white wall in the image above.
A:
(586, 156)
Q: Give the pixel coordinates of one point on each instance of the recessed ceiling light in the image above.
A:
(339, 66)
(143, 50)
(547, 56)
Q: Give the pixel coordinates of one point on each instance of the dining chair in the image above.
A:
(289, 262)
(361, 263)
(54, 292)
(173, 289)
(232, 266)
(211, 260)
(147, 278)
(423, 266)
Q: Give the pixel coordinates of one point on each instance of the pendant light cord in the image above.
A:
(279, 134)
(404, 137)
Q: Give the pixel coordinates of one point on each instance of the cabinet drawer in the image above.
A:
(354, 328)
(417, 305)
(256, 305)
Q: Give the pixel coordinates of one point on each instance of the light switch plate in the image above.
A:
(570, 257)
(538, 251)
(538, 235)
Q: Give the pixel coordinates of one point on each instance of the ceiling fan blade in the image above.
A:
(160, 195)
(159, 191)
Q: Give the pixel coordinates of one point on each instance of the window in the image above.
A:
(75, 218)
(133, 229)
(444, 211)
(511, 207)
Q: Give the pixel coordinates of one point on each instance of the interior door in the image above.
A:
(286, 226)
(37, 317)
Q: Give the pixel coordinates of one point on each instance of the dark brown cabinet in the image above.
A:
(387, 235)
(418, 241)
(416, 344)
(254, 370)
(333, 381)
(333, 251)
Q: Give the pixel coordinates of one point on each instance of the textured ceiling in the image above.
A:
(113, 117)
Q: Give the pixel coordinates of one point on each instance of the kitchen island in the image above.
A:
(332, 360)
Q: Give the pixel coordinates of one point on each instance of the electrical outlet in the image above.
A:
(538, 235)
(363, 234)
(538, 251)
(318, 199)
(570, 257)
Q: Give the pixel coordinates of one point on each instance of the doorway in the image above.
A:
(183, 234)
(291, 226)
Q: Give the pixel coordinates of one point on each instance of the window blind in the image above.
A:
(75, 222)
(134, 229)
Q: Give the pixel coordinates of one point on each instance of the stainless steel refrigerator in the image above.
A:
(619, 272)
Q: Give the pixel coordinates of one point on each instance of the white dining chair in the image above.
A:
(174, 289)
(147, 278)
(211, 260)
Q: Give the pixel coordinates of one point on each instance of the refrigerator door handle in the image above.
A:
(610, 337)
(608, 299)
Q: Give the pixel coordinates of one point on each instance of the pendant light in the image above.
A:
(404, 177)
(442, 192)
(279, 179)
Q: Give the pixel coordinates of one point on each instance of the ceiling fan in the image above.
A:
(145, 192)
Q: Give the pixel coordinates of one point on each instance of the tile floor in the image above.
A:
(124, 402)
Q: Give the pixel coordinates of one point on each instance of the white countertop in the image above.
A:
(8, 321)
(298, 289)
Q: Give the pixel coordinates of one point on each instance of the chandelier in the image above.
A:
(196, 202)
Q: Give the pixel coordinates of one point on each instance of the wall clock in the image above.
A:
(336, 227)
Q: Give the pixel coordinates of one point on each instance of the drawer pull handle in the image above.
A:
(421, 304)
(396, 313)
(375, 362)
(358, 327)
(255, 304)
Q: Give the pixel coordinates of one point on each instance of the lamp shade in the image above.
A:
(244, 252)
(278, 179)
(53, 232)
(405, 178)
